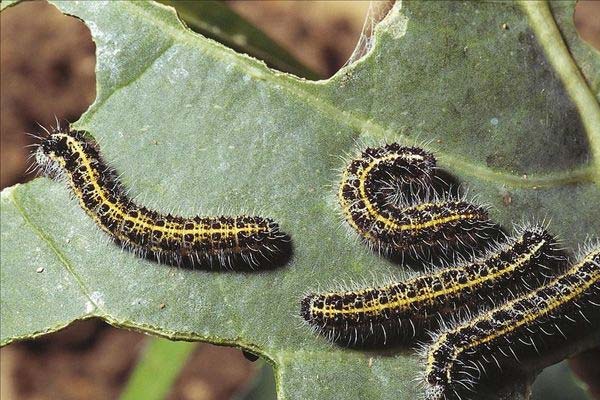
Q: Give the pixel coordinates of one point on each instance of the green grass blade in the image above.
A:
(157, 369)
(217, 21)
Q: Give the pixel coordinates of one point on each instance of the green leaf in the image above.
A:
(195, 127)
(157, 370)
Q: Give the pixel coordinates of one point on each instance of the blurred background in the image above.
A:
(47, 69)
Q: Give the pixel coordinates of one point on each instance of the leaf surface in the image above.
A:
(196, 128)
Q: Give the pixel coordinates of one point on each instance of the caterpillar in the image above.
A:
(504, 341)
(401, 311)
(230, 242)
(378, 198)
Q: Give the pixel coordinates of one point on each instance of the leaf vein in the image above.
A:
(361, 123)
(50, 243)
(552, 42)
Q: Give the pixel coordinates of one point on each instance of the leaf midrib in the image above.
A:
(294, 85)
(551, 41)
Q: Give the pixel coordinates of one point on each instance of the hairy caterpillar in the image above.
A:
(230, 242)
(502, 342)
(403, 310)
(378, 199)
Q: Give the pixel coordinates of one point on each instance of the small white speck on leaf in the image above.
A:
(96, 300)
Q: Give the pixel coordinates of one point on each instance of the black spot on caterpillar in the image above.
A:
(240, 242)
(501, 343)
(403, 310)
(384, 197)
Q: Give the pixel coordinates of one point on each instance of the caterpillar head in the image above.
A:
(57, 149)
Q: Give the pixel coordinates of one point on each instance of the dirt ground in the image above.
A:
(47, 63)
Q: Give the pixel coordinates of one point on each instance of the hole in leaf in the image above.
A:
(587, 21)
(48, 65)
(320, 34)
